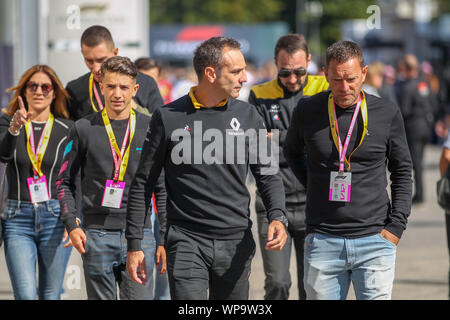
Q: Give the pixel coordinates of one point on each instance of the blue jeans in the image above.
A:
(34, 232)
(161, 280)
(104, 264)
(332, 262)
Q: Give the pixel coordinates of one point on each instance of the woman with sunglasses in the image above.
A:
(33, 138)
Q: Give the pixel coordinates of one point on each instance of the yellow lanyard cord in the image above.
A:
(36, 160)
(334, 133)
(113, 141)
(91, 93)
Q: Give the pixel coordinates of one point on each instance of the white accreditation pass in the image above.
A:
(340, 186)
(112, 197)
(38, 189)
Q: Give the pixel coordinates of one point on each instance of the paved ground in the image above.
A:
(422, 255)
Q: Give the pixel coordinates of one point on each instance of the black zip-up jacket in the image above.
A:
(13, 150)
(275, 104)
(384, 147)
(206, 194)
(148, 95)
(89, 151)
(417, 107)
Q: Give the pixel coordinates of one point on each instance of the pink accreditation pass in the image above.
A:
(112, 197)
(38, 189)
(340, 186)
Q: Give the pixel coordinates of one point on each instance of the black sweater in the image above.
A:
(148, 95)
(13, 150)
(89, 151)
(211, 200)
(370, 208)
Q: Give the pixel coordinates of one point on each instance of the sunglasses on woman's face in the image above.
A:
(46, 87)
(299, 72)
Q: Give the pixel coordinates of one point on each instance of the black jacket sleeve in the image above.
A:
(267, 175)
(161, 199)
(7, 140)
(294, 146)
(73, 104)
(143, 185)
(68, 180)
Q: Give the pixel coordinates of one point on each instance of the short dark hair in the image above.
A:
(210, 53)
(145, 63)
(291, 43)
(95, 35)
(118, 64)
(343, 51)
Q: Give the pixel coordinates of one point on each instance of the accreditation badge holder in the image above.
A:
(112, 197)
(38, 189)
(340, 186)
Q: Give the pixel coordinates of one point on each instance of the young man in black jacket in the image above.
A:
(106, 146)
(97, 46)
(205, 142)
(352, 226)
(275, 101)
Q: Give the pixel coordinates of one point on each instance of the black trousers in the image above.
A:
(416, 144)
(197, 265)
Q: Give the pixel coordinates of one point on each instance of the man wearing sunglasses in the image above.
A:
(275, 101)
(97, 46)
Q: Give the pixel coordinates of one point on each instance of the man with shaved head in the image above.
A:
(97, 46)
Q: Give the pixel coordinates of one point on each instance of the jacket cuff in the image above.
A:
(162, 236)
(134, 245)
(279, 215)
(71, 225)
(395, 229)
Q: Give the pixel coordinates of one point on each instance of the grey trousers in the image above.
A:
(197, 265)
(276, 263)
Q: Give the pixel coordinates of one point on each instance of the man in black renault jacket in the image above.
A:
(205, 142)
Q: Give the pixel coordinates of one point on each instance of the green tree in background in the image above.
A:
(214, 11)
(258, 11)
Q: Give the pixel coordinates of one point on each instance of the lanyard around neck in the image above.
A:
(335, 130)
(121, 156)
(93, 91)
(37, 154)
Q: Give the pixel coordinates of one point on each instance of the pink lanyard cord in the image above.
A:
(117, 160)
(343, 150)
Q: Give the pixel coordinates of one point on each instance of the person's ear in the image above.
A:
(210, 74)
(364, 73)
(135, 89)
